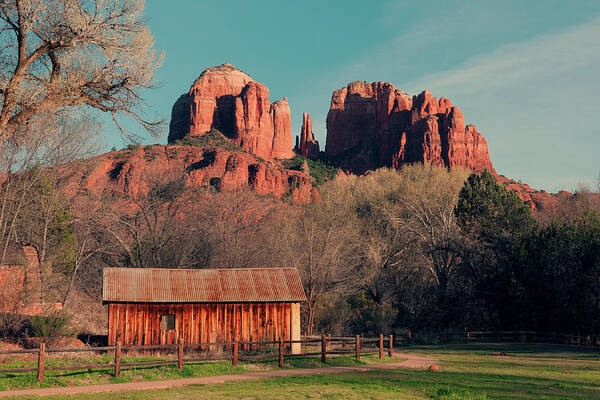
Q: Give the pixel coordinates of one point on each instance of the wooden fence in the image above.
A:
(518, 337)
(323, 347)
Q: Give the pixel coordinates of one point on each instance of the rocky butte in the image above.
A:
(372, 125)
(230, 101)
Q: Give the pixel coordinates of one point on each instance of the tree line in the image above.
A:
(424, 248)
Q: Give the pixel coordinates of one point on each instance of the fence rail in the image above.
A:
(520, 337)
(312, 346)
(325, 345)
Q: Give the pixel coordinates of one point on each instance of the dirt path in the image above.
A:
(410, 361)
(414, 361)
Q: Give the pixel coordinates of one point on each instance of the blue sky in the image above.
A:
(526, 73)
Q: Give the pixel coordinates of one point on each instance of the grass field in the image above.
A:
(28, 380)
(474, 372)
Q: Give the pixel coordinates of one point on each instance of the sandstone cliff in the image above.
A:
(227, 99)
(370, 125)
(133, 173)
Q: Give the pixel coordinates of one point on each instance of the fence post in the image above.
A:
(280, 351)
(324, 349)
(250, 345)
(381, 346)
(41, 361)
(180, 354)
(236, 344)
(358, 347)
(118, 359)
(391, 349)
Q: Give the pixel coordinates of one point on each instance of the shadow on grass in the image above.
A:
(472, 384)
(530, 349)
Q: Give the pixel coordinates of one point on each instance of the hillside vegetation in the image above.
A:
(422, 249)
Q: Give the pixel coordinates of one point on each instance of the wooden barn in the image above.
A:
(157, 306)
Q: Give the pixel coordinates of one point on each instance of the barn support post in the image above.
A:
(324, 349)
(357, 347)
(180, 354)
(41, 362)
(280, 351)
(391, 348)
(295, 331)
(381, 346)
(118, 359)
(236, 344)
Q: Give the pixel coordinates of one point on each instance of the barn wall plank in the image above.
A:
(139, 323)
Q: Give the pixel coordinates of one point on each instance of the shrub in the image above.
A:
(49, 327)
(320, 170)
(12, 325)
(213, 138)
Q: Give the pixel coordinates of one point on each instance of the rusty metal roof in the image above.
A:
(223, 285)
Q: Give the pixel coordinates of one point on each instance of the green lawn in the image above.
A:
(471, 372)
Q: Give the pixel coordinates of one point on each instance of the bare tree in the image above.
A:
(57, 54)
(92, 241)
(423, 208)
(241, 227)
(29, 196)
(322, 242)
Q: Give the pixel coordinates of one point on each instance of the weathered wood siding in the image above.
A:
(139, 323)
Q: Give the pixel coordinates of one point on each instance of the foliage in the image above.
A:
(131, 146)
(47, 224)
(58, 56)
(322, 241)
(453, 393)
(492, 220)
(37, 326)
(488, 210)
(320, 170)
(211, 139)
(49, 327)
(558, 270)
(12, 325)
(424, 248)
(369, 318)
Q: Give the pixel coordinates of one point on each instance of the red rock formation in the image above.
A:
(307, 145)
(20, 281)
(282, 129)
(133, 173)
(535, 199)
(213, 99)
(253, 123)
(370, 125)
(226, 99)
